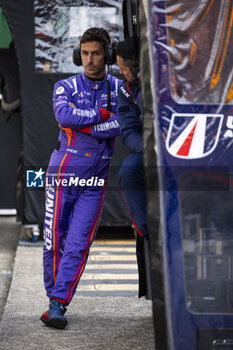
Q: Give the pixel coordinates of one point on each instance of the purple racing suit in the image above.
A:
(76, 178)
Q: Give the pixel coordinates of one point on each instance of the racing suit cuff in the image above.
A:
(104, 114)
(86, 130)
(60, 300)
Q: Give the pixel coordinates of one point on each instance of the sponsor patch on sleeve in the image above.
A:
(60, 90)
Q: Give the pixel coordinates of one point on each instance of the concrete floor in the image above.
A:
(9, 234)
(94, 322)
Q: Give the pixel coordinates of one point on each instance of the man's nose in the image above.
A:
(90, 58)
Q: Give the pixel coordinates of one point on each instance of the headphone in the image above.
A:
(110, 53)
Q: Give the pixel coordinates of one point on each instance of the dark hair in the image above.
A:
(129, 51)
(96, 34)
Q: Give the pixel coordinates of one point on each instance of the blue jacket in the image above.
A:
(130, 115)
(91, 102)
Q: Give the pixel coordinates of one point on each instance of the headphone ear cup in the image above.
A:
(110, 57)
(77, 56)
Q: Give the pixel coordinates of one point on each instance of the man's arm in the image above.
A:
(129, 120)
(105, 130)
(74, 118)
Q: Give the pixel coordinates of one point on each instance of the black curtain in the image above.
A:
(40, 129)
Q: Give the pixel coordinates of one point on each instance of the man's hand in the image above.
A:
(71, 104)
(86, 130)
(104, 114)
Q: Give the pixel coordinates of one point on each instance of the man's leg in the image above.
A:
(58, 209)
(81, 233)
(131, 181)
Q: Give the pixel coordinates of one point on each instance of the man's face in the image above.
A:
(125, 70)
(93, 55)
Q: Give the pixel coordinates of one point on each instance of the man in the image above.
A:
(75, 194)
(131, 178)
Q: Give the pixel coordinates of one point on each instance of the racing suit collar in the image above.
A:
(95, 85)
(133, 82)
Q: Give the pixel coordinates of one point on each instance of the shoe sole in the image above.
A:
(55, 322)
